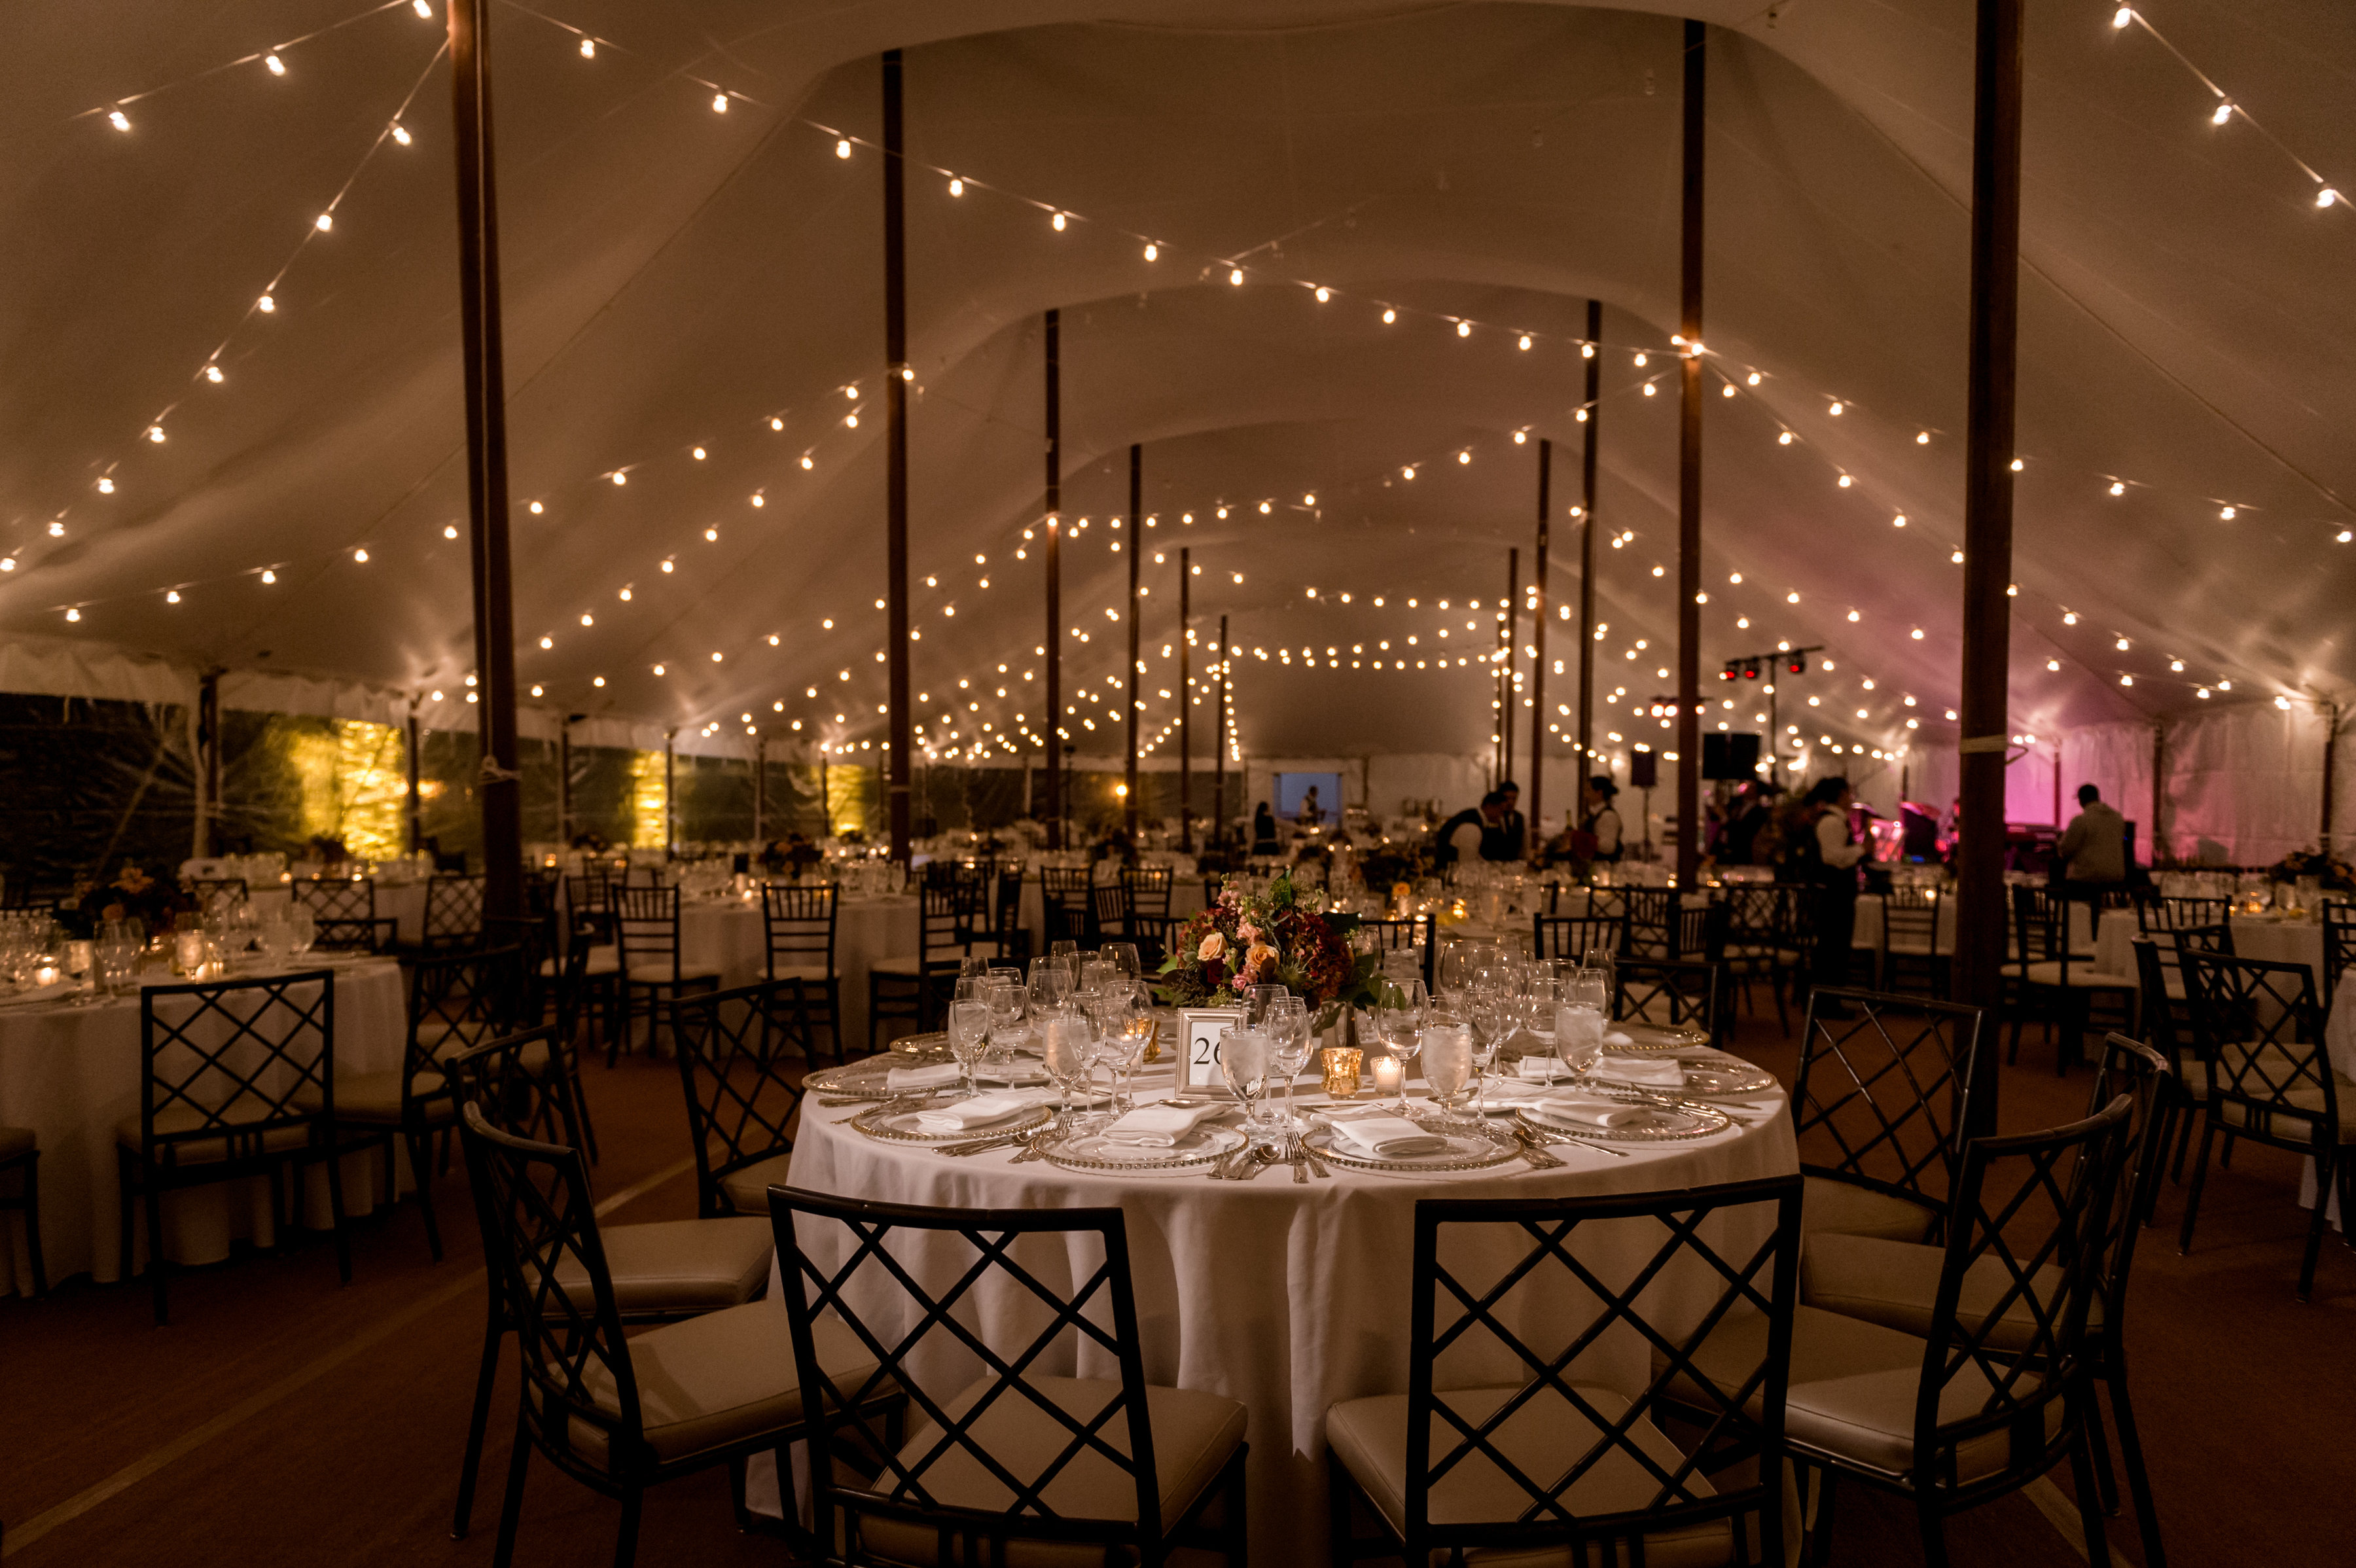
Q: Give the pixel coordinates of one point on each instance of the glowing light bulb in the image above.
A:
(2123, 645)
(625, 595)
(1836, 410)
(1650, 388)
(1389, 316)
(597, 679)
(1726, 391)
(172, 596)
(720, 103)
(1464, 457)
(850, 421)
(266, 305)
(119, 120)
(2069, 618)
(620, 476)
(2225, 113)
(269, 577)
(1152, 250)
(842, 147)
(587, 620)
(711, 536)
(1792, 598)
(1784, 439)
(73, 615)
(276, 67)
(699, 454)
(1845, 481)
(1059, 220)
(423, 8)
(588, 49)
(1581, 417)
(360, 557)
(324, 221)
(2117, 487)
(2129, 680)
(400, 134)
(1852, 615)
(449, 531)
(807, 461)
(2323, 198)
(2225, 515)
(2017, 465)
(156, 434)
(2122, 16)
(548, 643)
(1464, 329)
(1955, 558)
(1235, 277)
(2177, 665)
(1898, 521)
(105, 487)
(536, 509)
(1922, 438)
(1308, 500)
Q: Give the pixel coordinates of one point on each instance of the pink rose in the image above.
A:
(1213, 947)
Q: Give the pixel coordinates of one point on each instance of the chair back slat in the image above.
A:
(461, 1000)
(1517, 1288)
(236, 1068)
(1573, 937)
(337, 898)
(901, 1281)
(454, 909)
(1880, 1097)
(2260, 1030)
(1148, 888)
(733, 1056)
(519, 1084)
(646, 926)
(801, 919)
(2148, 1079)
(1674, 993)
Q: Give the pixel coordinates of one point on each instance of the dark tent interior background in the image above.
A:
(232, 395)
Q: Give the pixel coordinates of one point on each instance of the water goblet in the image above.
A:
(968, 1037)
(1005, 1000)
(1245, 1058)
(1123, 957)
(1447, 1062)
(1578, 1033)
(1258, 1000)
(1064, 1043)
(1288, 1025)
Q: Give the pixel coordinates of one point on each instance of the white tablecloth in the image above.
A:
(72, 1073)
(1185, 900)
(1289, 1298)
(2276, 942)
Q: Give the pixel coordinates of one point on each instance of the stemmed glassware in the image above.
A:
(1123, 957)
(1066, 1045)
(968, 1037)
(1004, 998)
(1051, 986)
(1578, 1028)
(1399, 1016)
(1446, 1060)
(1245, 1058)
(1287, 1026)
(301, 929)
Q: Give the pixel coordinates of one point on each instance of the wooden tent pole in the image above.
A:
(564, 781)
(900, 744)
(1987, 519)
(1051, 733)
(1135, 547)
(1689, 730)
(1505, 628)
(1219, 744)
(500, 787)
(1538, 644)
(1594, 407)
(415, 815)
(1185, 706)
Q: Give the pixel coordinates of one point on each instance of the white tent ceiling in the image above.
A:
(677, 278)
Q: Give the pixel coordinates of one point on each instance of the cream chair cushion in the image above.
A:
(1830, 1207)
(174, 1119)
(661, 974)
(1544, 1439)
(724, 1378)
(747, 1189)
(1195, 1434)
(679, 1265)
(2048, 971)
(903, 968)
(1896, 1284)
(808, 974)
(1853, 1389)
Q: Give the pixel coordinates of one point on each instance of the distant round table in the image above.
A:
(71, 1074)
(1289, 1298)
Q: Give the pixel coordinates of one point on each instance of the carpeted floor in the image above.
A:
(281, 1419)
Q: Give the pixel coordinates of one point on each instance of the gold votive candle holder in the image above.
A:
(1342, 1064)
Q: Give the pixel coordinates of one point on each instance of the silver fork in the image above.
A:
(1535, 1153)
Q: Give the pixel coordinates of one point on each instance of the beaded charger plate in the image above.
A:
(1468, 1150)
(895, 1123)
(1093, 1152)
(1661, 1123)
(1649, 1037)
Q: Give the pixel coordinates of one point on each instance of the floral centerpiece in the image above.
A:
(132, 896)
(2335, 875)
(1282, 937)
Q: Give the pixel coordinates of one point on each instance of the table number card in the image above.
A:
(1199, 1032)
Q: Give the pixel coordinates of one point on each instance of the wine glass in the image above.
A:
(1064, 1043)
(1486, 1018)
(1447, 1061)
(1288, 1025)
(1051, 986)
(1258, 1000)
(968, 1037)
(1123, 957)
(1399, 1017)
(1137, 1027)
(1067, 953)
(1005, 999)
(302, 928)
(1245, 1058)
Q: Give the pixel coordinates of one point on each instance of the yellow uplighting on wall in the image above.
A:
(650, 799)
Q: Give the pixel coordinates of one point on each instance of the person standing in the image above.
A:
(1464, 836)
(1311, 812)
(1600, 820)
(1264, 830)
(1510, 838)
(1824, 855)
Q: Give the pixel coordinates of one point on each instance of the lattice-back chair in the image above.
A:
(237, 1079)
(1416, 931)
(1651, 931)
(1669, 992)
(2171, 912)
(617, 1414)
(206, 889)
(2048, 982)
(343, 909)
(2260, 1031)
(742, 1083)
(1573, 937)
(1552, 1456)
(917, 989)
(996, 1458)
(1914, 958)
(1064, 893)
(1108, 914)
(1698, 932)
(454, 911)
(802, 920)
(1009, 939)
(1879, 1105)
(2338, 948)
(1762, 940)
(1149, 889)
(20, 1157)
(2166, 1014)
(655, 970)
(1994, 1387)
(589, 889)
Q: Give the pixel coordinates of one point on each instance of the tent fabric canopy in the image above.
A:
(681, 281)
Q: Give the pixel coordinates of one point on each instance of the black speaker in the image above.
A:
(1729, 757)
(1643, 768)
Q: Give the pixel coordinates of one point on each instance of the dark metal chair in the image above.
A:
(2165, 1015)
(1573, 937)
(1064, 891)
(1149, 889)
(20, 1156)
(1542, 1464)
(343, 909)
(1763, 939)
(2259, 1030)
(1003, 1464)
(1652, 930)
(454, 911)
(740, 1103)
(1911, 960)
(1879, 1105)
(1418, 932)
(916, 989)
(2047, 980)
(2178, 913)
(1675, 993)
(801, 920)
(2338, 948)
(653, 970)
(237, 1079)
(616, 1414)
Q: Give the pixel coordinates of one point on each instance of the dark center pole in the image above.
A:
(1689, 731)
(1185, 707)
(1594, 406)
(1219, 743)
(564, 781)
(1135, 549)
(1507, 623)
(499, 787)
(1052, 732)
(416, 802)
(1538, 642)
(1988, 517)
(671, 794)
(901, 743)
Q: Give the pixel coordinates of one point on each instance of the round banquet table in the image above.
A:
(1289, 1298)
(729, 934)
(71, 1073)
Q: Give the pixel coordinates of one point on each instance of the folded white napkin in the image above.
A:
(1537, 1070)
(1614, 1038)
(1387, 1137)
(1160, 1126)
(1640, 1072)
(1572, 1111)
(981, 1110)
(901, 1078)
(1514, 1090)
